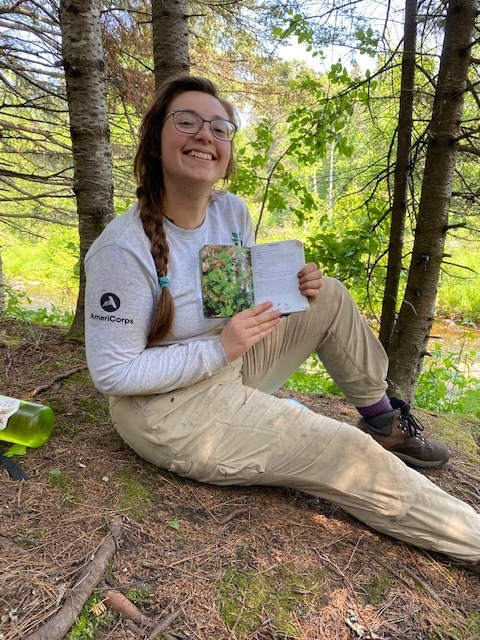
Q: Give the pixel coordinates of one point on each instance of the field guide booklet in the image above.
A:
(236, 278)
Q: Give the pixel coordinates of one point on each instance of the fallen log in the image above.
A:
(57, 626)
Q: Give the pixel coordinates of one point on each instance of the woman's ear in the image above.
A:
(156, 153)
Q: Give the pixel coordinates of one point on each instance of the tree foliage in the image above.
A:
(35, 150)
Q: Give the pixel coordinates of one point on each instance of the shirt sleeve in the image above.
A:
(121, 296)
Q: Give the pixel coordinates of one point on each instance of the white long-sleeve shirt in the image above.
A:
(122, 294)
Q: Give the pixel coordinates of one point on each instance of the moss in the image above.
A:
(139, 597)
(137, 493)
(69, 493)
(376, 588)
(246, 599)
(92, 411)
(76, 380)
(39, 534)
(468, 629)
(58, 405)
(474, 619)
(71, 415)
(88, 625)
(31, 539)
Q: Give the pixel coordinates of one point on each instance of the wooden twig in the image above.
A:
(427, 588)
(417, 579)
(234, 514)
(61, 376)
(466, 473)
(473, 494)
(133, 627)
(118, 602)
(58, 625)
(12, 546)
(164, 624)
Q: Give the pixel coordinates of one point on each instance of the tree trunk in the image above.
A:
(170, 39)
(408, 345)
(402, 171)
(84, 65)
(2, 289)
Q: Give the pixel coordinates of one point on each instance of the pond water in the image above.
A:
(455, 335)
(41, 299)
(458, 338)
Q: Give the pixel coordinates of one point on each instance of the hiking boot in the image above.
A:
(399, 431)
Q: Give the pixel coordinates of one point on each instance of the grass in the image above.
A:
(459, 290)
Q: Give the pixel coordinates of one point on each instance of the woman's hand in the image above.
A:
(247, 328)
(310, 280)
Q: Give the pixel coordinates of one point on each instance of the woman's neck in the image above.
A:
(186, 210)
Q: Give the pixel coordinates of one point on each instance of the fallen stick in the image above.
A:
(234, 514)
(118, 602)
(57, 626)
(427, 588)
(164, 624)
(10, 545)
(61, 376)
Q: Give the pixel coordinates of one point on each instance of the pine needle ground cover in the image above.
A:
(201, 562)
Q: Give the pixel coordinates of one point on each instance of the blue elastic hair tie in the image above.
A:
(163, 281)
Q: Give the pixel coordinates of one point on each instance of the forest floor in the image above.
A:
(202, 562)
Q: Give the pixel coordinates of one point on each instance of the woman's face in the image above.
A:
(194, 159)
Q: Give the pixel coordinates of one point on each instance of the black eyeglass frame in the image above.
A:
(231, 126)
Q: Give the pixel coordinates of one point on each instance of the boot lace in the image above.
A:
(406, 420)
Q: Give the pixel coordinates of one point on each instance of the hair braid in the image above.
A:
(165, 311)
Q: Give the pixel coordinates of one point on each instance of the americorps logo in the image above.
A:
(110, 303)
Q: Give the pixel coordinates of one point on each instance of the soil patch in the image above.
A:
(229, 562)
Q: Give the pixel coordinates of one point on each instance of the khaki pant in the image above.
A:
(230, 430)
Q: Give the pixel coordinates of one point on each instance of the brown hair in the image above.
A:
(150, 191)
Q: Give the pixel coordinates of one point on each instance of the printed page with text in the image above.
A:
(275, 266)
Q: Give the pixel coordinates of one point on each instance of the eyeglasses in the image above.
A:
(191, 123)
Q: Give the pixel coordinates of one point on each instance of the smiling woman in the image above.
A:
(195, 145)
(192, 394)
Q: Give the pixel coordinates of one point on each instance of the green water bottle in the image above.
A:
(26, 423)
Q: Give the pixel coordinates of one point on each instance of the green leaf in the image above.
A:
(174, 524)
